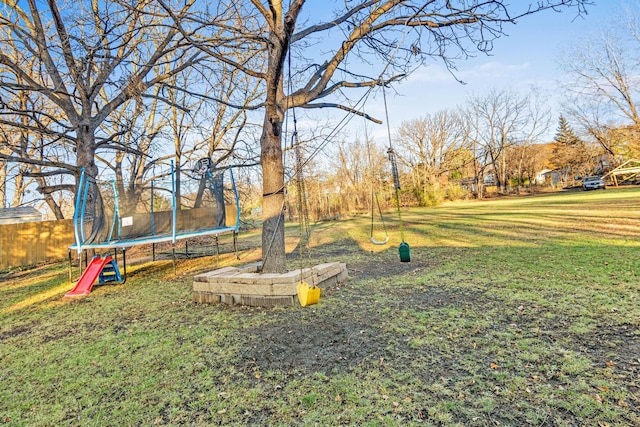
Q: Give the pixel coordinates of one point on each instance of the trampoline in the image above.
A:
(172, 207)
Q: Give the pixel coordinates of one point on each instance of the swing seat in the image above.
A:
(308, 295)
(379, 242)
(405, 252)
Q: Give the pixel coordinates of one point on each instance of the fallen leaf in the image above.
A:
(338, 398)
(609, 363)
(396, 404)
(623, 404)
(385, 397)
(407, 399)
(222, 411)
(258, 375)
(494, 366)
(603, 388)
(597, 397)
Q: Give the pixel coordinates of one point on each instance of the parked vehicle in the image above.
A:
(592, 183)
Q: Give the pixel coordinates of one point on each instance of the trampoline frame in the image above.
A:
(124, 243)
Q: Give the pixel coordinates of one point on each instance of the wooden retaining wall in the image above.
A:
(34, 242)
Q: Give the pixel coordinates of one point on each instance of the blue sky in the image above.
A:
(528, 56)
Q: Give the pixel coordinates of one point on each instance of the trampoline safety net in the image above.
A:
(175, 205)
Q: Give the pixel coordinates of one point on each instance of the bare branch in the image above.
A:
(341, 107)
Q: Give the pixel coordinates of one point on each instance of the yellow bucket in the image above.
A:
(308, 295)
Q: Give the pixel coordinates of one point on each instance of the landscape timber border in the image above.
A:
(246, 286)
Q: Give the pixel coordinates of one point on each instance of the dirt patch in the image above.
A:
(352, 334)
(322, 344)
(16, 331)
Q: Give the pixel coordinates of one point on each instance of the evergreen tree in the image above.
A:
(565, 134)
(571, 155)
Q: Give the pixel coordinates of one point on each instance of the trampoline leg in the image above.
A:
(217, 249)
(153, 251)
(235, 244)
(124, 265)
(186, 248)
(173, 251)
(70, 274)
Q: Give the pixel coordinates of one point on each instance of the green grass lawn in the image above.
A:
(516, 311)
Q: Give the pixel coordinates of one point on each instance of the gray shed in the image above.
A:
(21, 214)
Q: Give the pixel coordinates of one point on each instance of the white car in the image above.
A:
(592, 183)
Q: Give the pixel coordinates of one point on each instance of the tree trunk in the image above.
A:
(273, 250)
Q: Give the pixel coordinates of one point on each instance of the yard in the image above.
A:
(515, 311)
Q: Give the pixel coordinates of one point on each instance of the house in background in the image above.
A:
(18, 215)
(547, 176)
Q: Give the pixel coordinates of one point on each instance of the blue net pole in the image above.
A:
(173, 204)
(153, 222)
(76, 213)
(116, 211)
(82, 210)
(235, 193)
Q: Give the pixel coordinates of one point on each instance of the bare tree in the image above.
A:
(603, 87)
(357, 168)
(224, 133)
(350, 165)
(429, 147)
(137, 126)
(92, 57)
(525, 162)
(503, 119)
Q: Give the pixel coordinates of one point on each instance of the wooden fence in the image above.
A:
(34, 242)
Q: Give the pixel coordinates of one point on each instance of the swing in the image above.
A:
(374, 195)
(307, 294)
(403, 249)
(374, 200)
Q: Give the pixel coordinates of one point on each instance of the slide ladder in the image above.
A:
(101, 269)
(110, 272)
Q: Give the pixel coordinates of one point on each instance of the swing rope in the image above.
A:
(394, 165)
(374, 196)
(303, 209)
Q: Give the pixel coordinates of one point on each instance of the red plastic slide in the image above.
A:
(89, 277)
